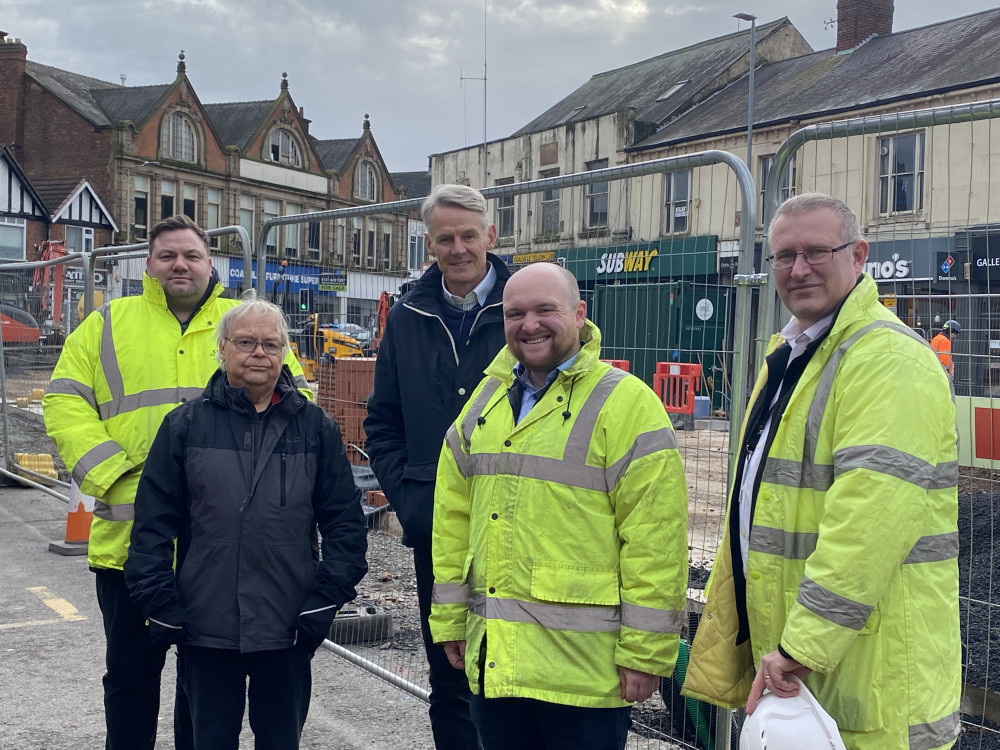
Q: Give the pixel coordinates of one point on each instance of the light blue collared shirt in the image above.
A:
(530, 397)
(477, 296)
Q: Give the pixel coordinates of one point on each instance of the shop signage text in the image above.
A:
(634, 260)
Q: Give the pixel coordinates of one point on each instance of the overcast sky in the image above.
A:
(399, 60)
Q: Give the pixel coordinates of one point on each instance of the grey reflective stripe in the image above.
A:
(934, 548)
(896, 463)
(301, 382)
(93, 457)
(109, 358)
(645, 444)
(798, 545)
(935, 734)
(478, 407)
(789, 473)
(652, 620)
(454, 442)
(549, 616)
(586, 419)
(538, 467)
(327, 608)
(825, 387)
(791, 545)
(166, 624)
(153, 397)
(833, 607)
(449, 593)
(122, 512)
(69, 387)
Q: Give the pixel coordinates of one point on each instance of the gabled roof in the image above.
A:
(956, 54)
(335, 153)
(72, 88)
(74, 201)
(417, 184)
(640, 85)
(135, 103)
(236, 123)
(22, 199)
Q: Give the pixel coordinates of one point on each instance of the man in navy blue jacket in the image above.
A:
(439, 338)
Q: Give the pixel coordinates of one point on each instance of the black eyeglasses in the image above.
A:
(815, 256)
(248, 345)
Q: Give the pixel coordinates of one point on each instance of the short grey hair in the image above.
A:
(850, 230)
(251, 307)
(458, 196)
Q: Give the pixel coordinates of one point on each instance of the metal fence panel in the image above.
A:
(926, 189)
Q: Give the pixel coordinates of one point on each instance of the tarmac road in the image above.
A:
(52, 657)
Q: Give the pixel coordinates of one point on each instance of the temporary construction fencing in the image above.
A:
(681, 294)
(926, 189)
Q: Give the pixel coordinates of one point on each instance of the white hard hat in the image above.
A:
(796, 723)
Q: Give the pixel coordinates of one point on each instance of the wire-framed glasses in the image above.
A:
(815, 256)
(247, 345)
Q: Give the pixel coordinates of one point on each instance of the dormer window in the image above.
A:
(284, 148)
(366, 183)
(177, 139)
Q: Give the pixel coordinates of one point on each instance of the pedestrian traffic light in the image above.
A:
(305, 300)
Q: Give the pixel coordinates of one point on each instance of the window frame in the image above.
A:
(549, 202)
(17, 223)
(140, 192)
(504, 211)
(288, 153)
(177, 138)
(170, 194)
(891, 179)
(593, 194)
(765, 165)
(671, 203)
(366, 181)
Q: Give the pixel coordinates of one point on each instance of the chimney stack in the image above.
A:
(859, 20)
(13, 59)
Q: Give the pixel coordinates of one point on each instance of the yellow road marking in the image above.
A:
(60, 606)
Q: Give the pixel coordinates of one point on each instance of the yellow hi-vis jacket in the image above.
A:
(120, 372)
(854, 542)
(562, 541)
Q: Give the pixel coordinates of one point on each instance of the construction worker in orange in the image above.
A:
(941, 344)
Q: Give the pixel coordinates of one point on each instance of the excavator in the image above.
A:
(313, 341)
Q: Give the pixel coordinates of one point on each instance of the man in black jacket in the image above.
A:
(438, 340)
(241, 477)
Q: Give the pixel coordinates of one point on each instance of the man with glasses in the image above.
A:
(241, 477)
(119, 373)
(839, 558)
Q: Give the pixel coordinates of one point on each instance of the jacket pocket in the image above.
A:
(573, 584)
(852, 693)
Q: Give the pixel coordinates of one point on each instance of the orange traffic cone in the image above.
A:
(78, 518)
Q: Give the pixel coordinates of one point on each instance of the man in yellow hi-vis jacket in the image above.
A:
(839, 559)
(120, 372)
(559, 536)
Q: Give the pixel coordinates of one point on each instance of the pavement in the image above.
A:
(52, 656)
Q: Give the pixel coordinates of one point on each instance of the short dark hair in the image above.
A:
(174, 223)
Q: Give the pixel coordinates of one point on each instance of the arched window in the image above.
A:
(177, 139)
(366, 185)
(284, 148)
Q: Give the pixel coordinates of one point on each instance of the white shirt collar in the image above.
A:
(477, 296)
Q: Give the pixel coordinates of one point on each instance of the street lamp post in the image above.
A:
(753, 50)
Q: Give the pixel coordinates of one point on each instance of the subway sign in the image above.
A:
(632, 260)
(664, 259)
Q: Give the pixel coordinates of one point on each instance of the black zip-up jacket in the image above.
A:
(422, 380)
(242, 494)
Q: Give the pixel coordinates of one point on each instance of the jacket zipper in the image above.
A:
(454, 349)
(284, 458)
